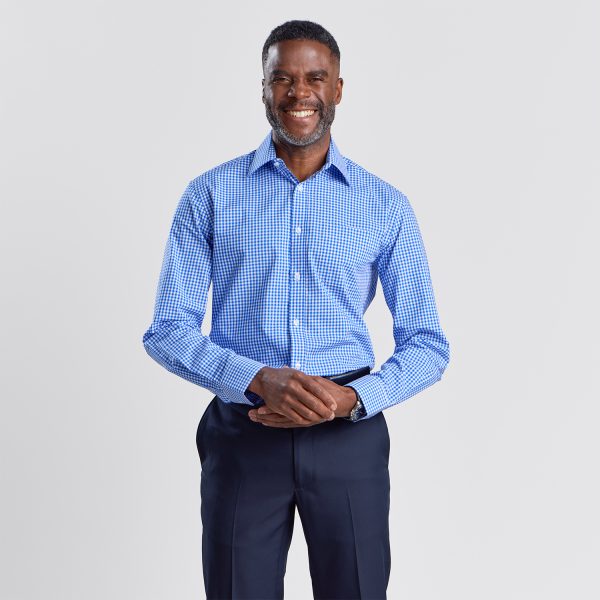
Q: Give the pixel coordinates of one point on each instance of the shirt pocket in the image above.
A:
(343, 250)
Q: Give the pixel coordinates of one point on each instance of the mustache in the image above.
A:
(319, 107)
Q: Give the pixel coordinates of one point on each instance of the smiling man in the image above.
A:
(294, 237)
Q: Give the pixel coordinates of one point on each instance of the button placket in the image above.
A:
(298, 250)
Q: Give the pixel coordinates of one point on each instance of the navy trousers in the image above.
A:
(253, 477)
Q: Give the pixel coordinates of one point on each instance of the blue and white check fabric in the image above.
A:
(294, 266)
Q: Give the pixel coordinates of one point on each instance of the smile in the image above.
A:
(300, 113)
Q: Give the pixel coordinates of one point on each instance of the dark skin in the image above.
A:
(297, 74)
(300, 74)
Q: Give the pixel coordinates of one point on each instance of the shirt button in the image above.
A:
(296, 322)
(296, 275)
(299, 187)
(297, 365)
(298, 229)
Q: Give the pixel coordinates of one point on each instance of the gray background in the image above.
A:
(483, 113)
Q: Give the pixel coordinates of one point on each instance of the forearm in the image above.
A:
(413, 367)
(186, 352)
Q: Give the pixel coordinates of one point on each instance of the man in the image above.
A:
(293, 237)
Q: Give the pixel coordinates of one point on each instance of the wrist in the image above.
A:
(352, 398)
(357, 411)
(255, 385)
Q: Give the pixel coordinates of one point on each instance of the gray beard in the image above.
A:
(325, 120)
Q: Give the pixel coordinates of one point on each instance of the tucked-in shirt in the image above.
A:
(294, 266)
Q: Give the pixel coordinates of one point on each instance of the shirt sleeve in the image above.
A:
(174, 339)
(421, 351)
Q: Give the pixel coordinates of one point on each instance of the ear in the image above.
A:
(338, 90)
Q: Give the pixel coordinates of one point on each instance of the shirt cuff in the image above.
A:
(237, 376)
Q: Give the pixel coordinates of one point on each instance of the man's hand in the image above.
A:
(298, 397)
(294, 399)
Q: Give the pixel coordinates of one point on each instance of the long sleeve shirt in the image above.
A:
(294, 266)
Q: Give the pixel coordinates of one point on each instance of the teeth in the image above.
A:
(301, 113)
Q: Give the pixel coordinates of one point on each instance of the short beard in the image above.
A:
(326, 116)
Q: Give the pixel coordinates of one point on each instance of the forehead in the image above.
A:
(299, 55)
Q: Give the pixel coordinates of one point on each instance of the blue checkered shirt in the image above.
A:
(294, 266)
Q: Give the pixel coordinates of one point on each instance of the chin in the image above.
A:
(305, 140)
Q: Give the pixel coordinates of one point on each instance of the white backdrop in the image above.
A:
(483, 113)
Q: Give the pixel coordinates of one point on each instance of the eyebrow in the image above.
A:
(322, 72)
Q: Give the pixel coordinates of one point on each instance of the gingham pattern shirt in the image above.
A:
(294, 266)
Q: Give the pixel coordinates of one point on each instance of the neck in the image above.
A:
(303, 161)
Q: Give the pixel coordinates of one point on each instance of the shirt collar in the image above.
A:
(266, 153)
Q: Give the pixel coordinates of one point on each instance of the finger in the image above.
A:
(287, 423)
(304, 401)
(318, 387)
(297, 413)
(275, 417)
(283, 422)
(270, 417)
(316, 399)
(266, 410)
(276, 422)
(286, 412)
(299, 407)
(263, 411)
(311, 412)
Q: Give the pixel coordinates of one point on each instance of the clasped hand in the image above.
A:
(295, 399)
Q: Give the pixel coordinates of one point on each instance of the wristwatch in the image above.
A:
(358, 410)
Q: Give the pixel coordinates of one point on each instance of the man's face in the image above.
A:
(301, 75)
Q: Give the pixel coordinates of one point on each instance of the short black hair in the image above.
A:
(300, 30)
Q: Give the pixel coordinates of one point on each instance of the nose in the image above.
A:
(299, 89)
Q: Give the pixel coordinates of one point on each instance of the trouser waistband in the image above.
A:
(348, 376)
